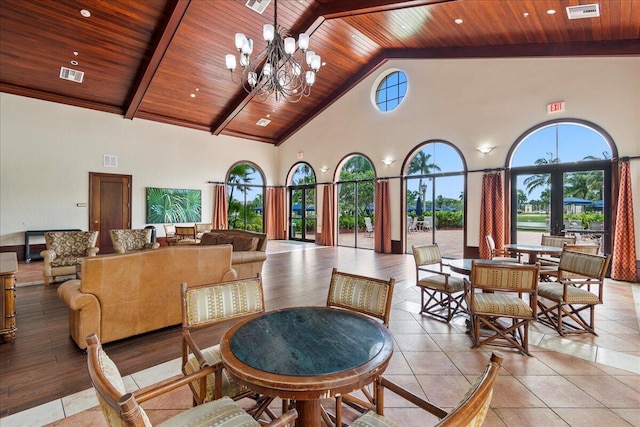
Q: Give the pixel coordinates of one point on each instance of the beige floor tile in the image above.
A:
(591, 417)
(430, 363)
(453, 342)
(558, 392)
(565, 364)
(510, 393)
(517, 364)
(608, 390)
(93, 418)
(471, 362)
(619, 360)
(529, 417)
(411, 417)
(405, 327)
(632, 381)
(415, 342)
(493, 420)
(409, 382)
(632, 416)
(444, 390)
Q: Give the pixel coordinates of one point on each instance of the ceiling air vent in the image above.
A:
(258, 5)
(73, 75)
(583, 11)
(263, 122)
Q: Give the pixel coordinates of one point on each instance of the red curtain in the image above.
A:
(326, 236)
(623, 264)
(220, 207)
(382, 221)
(491, 213)
(275, 214)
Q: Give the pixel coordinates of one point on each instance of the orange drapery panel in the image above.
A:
(220, 207)
(275, 214)
(326, 236)
(382, 220)
(491, 213)
(623, 263)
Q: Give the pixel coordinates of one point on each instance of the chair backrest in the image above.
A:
(203, 227)
(491, 243)
(472, 409)
(367, 223)
(130, 240)
(426, 255)
(185, 232)
(169, 230)
(489, 275)
(204, 305)
(586, 248)
(363, 294)
(583, 264)
(119, 407)
(557, 241)
(70, 243)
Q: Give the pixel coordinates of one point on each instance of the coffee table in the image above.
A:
(306, 354)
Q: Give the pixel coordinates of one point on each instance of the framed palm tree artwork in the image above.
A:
(171, 205)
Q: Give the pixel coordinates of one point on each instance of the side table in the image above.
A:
(8, 270)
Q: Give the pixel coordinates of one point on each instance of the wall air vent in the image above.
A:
(583, 11)
(263, 122)
(110, 161)
(258, 5)
(73, 75)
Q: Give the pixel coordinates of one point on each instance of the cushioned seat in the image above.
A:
(65, 252)
(132, 240)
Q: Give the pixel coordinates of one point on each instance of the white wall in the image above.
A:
(47, 151)
(469, 102)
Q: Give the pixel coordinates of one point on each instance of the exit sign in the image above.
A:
(555, 107)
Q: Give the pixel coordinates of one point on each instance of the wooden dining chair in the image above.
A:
(470, 411)
(204, 306)
(549, 271)
(186, 234)
(498, 314)
(500, 254)
(440, 293)
(122, 408)
(368, 296)
(579, 287)
(557, 241)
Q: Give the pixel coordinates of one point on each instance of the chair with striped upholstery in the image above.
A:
(549, 271)
(470, 411)
(208, 305)
(557, 241)
(579, 287)
(121, 408)
(440, 293)
(368, 296)
(498, 313)
(500, 254)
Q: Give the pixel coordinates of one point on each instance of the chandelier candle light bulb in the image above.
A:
(276, 70)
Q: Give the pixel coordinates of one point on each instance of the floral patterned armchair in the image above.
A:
(65, 251)
(132, 240)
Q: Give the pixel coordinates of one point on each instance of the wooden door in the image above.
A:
(109, 206)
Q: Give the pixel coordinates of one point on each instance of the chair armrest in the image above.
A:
(48, 255)
(285, 419)
(406, 394)
(195, 349)
(428, 270)
(162, 387)
(92, 251)
(154, 245)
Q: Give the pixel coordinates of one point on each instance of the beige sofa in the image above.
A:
(249, 249)
(120, 296)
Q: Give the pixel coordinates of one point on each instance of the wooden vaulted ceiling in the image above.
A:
(144, 59)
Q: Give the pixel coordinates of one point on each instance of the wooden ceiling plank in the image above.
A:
(148, 70)
(343, 9)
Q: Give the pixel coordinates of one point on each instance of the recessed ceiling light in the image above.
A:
(458, 21)
(551, 12)
(193, 95)
(324, 63)
(526, 14)
(74, 62)
(75, 54)
(85, 13)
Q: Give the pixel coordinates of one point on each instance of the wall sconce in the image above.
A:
(324, 169)
(388, 162)
(485, 149)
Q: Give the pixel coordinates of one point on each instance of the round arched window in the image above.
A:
(391, 91)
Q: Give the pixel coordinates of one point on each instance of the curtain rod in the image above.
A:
(627, 158)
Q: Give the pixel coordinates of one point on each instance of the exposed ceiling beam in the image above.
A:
(148, 70)
(341, 9)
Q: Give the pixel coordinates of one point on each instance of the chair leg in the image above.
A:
(439, 301)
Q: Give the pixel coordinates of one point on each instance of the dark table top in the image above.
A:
(308, 341)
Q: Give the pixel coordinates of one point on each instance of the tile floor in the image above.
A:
(576, 381)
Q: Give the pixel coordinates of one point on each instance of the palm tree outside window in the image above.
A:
(245, 192)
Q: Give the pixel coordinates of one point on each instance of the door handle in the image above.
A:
(96, 222)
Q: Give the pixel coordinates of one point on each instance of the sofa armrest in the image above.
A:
(48, 255)
(70, 293)
(229, 275)
(154, 245)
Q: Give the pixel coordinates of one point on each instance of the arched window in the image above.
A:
(391, 90)
(302, 206)
(355, 201)
(560, 181)
(245, 192)
(435, 197)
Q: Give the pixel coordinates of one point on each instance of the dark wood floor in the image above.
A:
(44, 364)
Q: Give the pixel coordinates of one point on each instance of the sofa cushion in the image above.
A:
(241, 243)
(216, 239)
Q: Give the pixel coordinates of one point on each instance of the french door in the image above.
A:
(553, 198)
(302, 212)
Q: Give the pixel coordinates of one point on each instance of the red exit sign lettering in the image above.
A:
(555, 107)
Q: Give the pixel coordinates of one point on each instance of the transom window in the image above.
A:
(391, 91)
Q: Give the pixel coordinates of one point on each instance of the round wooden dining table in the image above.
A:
(533, 250)
(306, 354)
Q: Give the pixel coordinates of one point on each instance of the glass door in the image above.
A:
(303, 213)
